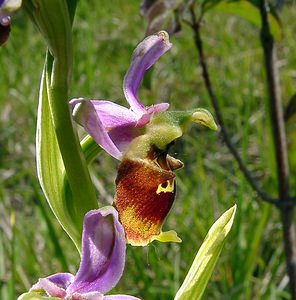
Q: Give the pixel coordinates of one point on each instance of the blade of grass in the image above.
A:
(12, 257)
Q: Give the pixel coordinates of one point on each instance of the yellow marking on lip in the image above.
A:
(168, 189)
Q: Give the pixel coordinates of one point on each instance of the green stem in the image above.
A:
(82, 189)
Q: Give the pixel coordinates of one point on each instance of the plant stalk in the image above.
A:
(280, 144)
(207, 80)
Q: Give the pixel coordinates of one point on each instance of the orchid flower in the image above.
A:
(102, 262)
(140, 138)
(7, 7)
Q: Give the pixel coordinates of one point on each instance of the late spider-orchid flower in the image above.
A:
(140, 137)
(102, 262)
(7, 7)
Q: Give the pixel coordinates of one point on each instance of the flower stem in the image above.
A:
(83, 197)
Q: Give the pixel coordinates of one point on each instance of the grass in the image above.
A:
(252, 263)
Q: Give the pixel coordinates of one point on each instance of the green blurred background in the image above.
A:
(252, 264)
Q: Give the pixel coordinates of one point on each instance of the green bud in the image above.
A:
(206, 258)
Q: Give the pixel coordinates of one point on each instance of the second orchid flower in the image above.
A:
(101, 266)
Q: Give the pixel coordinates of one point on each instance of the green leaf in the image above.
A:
(247, 10)
(35, 296)
(206, 258)
(50, 167)
(208, 4)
